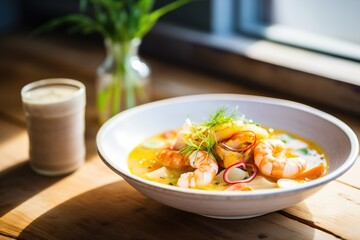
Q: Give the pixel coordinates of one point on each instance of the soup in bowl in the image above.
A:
(131, 144)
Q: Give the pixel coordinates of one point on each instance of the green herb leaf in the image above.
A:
(203, 136)
(202, 141)
(302, 151)
(220, 117)
(147, 22)
(286, 138)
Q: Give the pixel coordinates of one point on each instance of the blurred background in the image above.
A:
(308, 50)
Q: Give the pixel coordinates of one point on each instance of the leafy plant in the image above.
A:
(117, 20)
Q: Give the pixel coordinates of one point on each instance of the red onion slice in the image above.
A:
(241, 149)
(242, 165)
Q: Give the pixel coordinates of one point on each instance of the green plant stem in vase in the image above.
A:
(123, 77)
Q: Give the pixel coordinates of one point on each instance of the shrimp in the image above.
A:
(237, 148)
(270, 157)
(260, 132)
(228, 158)
(226, 131)
(205, 171)
(172, 159)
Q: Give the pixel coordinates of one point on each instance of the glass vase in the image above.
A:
(123, 79)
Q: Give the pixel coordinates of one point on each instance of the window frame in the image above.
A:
(251, 21)
(253, 59)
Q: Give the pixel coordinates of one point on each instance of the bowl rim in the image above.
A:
(348, 163)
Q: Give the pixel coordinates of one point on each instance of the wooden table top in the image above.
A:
(95, 203)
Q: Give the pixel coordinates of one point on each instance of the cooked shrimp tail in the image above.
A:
(206, 169)
(172, 159)
(270, 157)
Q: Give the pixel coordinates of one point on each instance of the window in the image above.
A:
(329, 26)
(302, 48)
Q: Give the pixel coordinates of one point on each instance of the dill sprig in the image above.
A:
(203, 136)
(220, 117)
(203, 140)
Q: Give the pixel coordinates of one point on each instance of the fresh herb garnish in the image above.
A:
(202, 140)
(203, 136)
(220, 117)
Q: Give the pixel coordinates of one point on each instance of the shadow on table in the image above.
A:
(19, 183)
(117, 211)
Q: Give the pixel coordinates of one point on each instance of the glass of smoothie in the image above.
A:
(55, 118)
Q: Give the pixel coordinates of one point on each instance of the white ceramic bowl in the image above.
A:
(119, 135)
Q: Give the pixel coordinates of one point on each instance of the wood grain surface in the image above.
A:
(95, 203)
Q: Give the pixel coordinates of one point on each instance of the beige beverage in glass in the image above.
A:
(55, 117)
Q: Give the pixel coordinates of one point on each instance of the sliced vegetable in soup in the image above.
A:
(228, 153)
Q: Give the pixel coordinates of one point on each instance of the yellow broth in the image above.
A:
(142, 160)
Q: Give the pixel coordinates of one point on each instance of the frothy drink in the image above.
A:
(55, 117)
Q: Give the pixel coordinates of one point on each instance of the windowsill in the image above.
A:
(302, 73)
